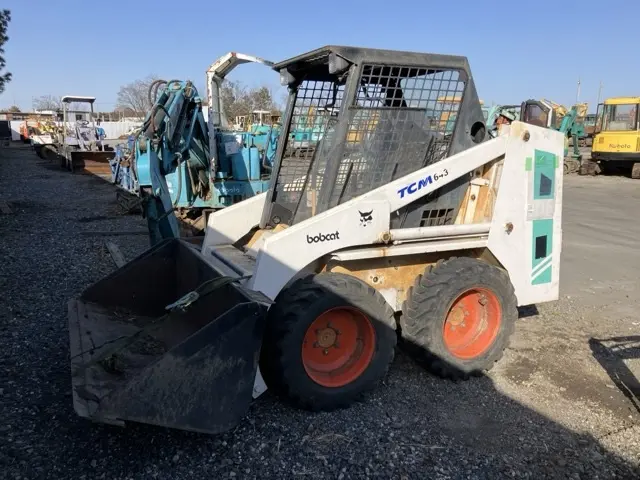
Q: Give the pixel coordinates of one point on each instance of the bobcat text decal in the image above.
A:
(420, 184)
(321, 237)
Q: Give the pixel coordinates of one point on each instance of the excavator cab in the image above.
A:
(538, 113)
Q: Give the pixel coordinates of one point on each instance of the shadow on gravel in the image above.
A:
(611, 353)
(94, 218)
(528, 311)
(414, 426)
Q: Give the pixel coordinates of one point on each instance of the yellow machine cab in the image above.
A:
(617, 143)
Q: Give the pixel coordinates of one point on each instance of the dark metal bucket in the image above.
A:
(134, 360)
(95, 163)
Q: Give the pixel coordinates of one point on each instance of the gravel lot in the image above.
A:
(561, 404)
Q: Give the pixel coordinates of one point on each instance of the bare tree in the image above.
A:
(234, 99)
(238, 100)
(47, 102)
(134, 97)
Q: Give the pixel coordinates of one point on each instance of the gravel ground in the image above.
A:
(549, 409)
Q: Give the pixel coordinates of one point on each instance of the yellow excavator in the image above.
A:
(617, 143)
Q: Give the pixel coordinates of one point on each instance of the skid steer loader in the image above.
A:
(407, 229)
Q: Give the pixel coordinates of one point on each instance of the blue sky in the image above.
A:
(517, 50)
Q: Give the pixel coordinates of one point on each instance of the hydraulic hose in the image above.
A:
(152, 93)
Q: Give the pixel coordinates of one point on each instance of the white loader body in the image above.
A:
(523, 231)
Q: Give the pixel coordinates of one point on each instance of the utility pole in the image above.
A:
(599, 92)
(578, 91)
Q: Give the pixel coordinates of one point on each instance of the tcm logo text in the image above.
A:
(415, 186)
(323, 237)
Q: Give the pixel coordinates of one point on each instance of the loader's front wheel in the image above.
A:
(330, 338)
(458, 317)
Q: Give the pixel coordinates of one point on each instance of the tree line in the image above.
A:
(133, 99)
(237, 98)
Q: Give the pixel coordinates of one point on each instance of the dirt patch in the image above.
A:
(520, 369)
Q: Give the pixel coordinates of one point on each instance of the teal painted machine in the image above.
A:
(545, 113)
(183, 167)
(308, 131)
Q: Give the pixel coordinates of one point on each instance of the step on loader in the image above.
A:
(395, 226)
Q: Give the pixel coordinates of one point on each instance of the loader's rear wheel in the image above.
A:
(458, 317)
(330, 338)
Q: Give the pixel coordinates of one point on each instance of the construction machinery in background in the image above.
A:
(498, 115)
(400, 231)
(257, 119)
(79, 145)
(616, 145)
(590, 129)
(180, 163)
(546, 113)
(494, 117)
(26, 130)
(39, 133)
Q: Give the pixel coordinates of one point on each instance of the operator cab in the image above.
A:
(359, 118)
(538, 113)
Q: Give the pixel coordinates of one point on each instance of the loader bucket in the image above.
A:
(96, 163)
(133, 360)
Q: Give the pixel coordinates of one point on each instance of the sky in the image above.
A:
(517, 50)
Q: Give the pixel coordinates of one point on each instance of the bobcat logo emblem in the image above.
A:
(365, 218)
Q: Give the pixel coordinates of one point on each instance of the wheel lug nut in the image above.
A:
(482, 301)
(326, 352)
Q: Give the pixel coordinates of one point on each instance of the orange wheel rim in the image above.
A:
(472, 323)
(338, 347)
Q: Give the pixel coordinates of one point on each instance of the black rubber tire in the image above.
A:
(428, 302)
(295, 308)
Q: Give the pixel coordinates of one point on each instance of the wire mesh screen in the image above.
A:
(401, 119)
(316, 104)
